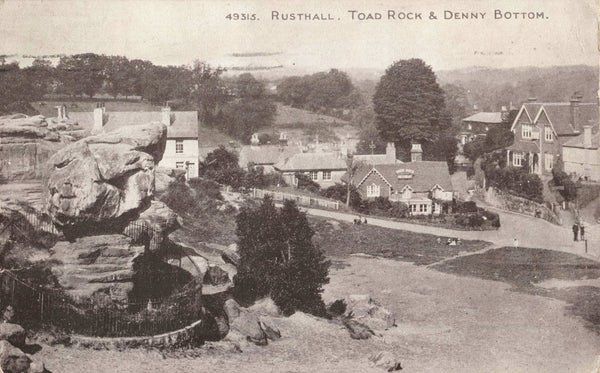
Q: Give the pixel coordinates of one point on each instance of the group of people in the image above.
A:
(360, 220)
(578, 232)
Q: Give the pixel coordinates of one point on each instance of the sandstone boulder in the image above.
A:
(12, 359)
(100, 179)
(96, 265)
(365, 310)
(243, 323)
(385, 360)
(357, 330)
(13, 333)
(215, 275)
(153, 225)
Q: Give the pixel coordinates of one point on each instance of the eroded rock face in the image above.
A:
(96, 265)
(99, 179)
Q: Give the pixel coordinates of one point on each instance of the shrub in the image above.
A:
(278, 258)
(306, 183)
(340, 191)
(399, 210)
(209, 188)
(338, 307)
(514, 180)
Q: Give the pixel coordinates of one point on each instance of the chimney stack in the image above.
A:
(165, 115)
(390, 152)
(574, 108)
(98, 118)
(416, 153)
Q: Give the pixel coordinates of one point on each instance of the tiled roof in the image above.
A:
(525, 146)
(426, 175)
(559, 114)
(265, 154)
(312, 161)
(577, 142)
(184, 124)
(485, 117)
(375, 158)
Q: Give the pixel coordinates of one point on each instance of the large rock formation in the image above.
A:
(96, 266)
(26, 143)
(100, 179)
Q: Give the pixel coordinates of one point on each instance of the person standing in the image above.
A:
(516, 243)
(575, 231)
(581, 232)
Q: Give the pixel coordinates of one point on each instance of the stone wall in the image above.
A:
(505, 201)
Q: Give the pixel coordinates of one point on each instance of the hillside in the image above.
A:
(288, 116)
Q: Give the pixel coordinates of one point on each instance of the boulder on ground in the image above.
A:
(230, 254)
(13, 333)
(357, 330)
(365, 310)
(101, 178)
(385, 360)
(165, 176)
(12, 359)
(153, 225)
(244, 324)
(271, 331)
(265, 307)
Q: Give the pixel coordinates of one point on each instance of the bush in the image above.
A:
(516, 181)
(278, 258)
(569, 188)
(306, 183)
(209, 188)
(338, 307)
(340, 191)
(465, 207)
(399, 210)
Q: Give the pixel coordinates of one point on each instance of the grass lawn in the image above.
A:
(525, 269)
(339, 239)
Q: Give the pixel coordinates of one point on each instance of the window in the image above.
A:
(373, 190)
(326, 175)
(548, 133)
(192, 169)
(517, 159)
(470, 127)
(526, 131)
(314, 175)
(179, 165)
(178, 146)
(422, 207)
(549, 160)
(413, 208)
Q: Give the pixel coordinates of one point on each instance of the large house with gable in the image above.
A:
(542, 129)
(422, 185)
(181, 151)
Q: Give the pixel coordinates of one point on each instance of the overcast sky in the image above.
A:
(178, 32)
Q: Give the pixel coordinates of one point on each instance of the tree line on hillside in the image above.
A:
(238, 106)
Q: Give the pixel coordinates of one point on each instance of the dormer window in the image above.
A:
(548, 133)
(526, 131)
(406, 193)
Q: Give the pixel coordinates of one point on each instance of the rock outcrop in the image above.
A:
(365, 310)
(12, 357)
(96, 266)
(244, 325)
(99, 180)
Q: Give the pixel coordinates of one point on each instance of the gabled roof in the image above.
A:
(559, 115)
(427, 174)
(265, 154)
(485, 117)
(577, 142)
(184, 124)
(311, 162)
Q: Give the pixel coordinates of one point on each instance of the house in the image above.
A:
(324, 168)
(422, 185)
(265, 156)
(581, 155)
(182, 132)
(478, 124)
(541, 130)
(388, 158)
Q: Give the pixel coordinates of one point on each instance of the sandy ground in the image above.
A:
(446, 323)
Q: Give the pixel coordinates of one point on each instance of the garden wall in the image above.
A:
(506, 201)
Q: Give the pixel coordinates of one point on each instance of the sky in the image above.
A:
(179, 32)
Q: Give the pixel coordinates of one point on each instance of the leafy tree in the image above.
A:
(305, 182)
(409, 104)
(221, 165)
(368, 137)
(81, 74)
(207, 91)
(340, 193)
(120, 77)
(16, 90)
(278, 258)
(569, 187)
(249, 111)
(456, 100)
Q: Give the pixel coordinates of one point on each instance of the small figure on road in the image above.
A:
(516, 243)
(364, 220)
(581, 232)
(575, 231)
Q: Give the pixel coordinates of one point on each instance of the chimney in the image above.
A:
(390, 152)
(416, 153)
(98, 118)
(574, 109)
(587, 137)
(64, 112)
(59, 112)
(165, 115)
(504, 113)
